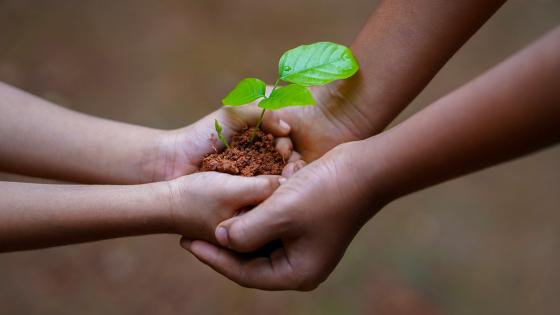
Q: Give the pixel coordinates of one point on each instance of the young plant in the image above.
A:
(219, 132)
(306, 65)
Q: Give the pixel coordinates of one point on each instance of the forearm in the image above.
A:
(41, 139)
(512, 110)
(400, 49)
(39, 215)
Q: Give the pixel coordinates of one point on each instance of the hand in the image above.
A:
(334, 120)
(199, 202)
(179, 152)
(315, 217)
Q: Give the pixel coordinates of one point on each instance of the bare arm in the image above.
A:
(41, 139)
(400, 49)
(40, 215)
(512, 110)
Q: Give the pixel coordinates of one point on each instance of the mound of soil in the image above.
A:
(246, 159)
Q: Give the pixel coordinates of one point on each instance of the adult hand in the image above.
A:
(315, 214)
(334, 120)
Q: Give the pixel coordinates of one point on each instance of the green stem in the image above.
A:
(275, 85)
(258, 127)
(259, 122)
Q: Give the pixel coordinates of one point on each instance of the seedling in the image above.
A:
(219, 132)
(304, 66)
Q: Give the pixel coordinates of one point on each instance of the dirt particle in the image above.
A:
(242, 158)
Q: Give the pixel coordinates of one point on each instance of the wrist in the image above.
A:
(364, 162)
(159, 206)
(380, 170)
(155, 156)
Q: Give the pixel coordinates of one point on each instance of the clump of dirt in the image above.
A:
(246, 159)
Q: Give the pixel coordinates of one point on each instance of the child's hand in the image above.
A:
(179, 152)
(198, 202)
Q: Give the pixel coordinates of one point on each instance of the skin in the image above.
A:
(38, 215)
(395, 42)
(41, 139)
(509, 111)
(400, 49)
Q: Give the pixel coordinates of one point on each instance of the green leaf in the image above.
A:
(291, 95)
(217, 126)
(219, 131)
(317, 64)
(246, 91)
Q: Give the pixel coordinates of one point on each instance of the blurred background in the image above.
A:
(488, 243)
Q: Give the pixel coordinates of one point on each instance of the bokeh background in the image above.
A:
(488, 243)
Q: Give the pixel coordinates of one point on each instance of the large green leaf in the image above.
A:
(291, 95)
(246, 91)
(317, 64)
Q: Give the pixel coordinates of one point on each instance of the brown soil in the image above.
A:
(242, 158)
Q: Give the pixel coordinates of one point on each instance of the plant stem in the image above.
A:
(259, 122)
(275, 85)
(258, 127)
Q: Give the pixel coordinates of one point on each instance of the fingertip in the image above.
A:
(185, 243)
(289, 170)
(275, 125)
(202, 250)
(299, 165)
(284, 126)
(222, 237)
(285, 147)
(295, 156)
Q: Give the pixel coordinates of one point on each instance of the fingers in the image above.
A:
(292, 167)
(274, 125)
(294, 157)
(267, 273)
(252, 230)
(284, 147)
(250, 114)
(250, 191)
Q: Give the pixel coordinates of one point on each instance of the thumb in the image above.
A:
(252, 230)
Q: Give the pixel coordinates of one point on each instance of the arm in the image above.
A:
(510, 111)
(40, 215)
(41, 139)
(400, 49)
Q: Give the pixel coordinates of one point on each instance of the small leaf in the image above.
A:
(291, 95)
(317, 64)
(246, 91)
(217, 126)
(219, 131)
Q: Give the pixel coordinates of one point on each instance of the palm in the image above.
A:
(179, 152)
(298, 213)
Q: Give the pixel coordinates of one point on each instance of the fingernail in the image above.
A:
(284, 125)
(222, 236)
(282, 180)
